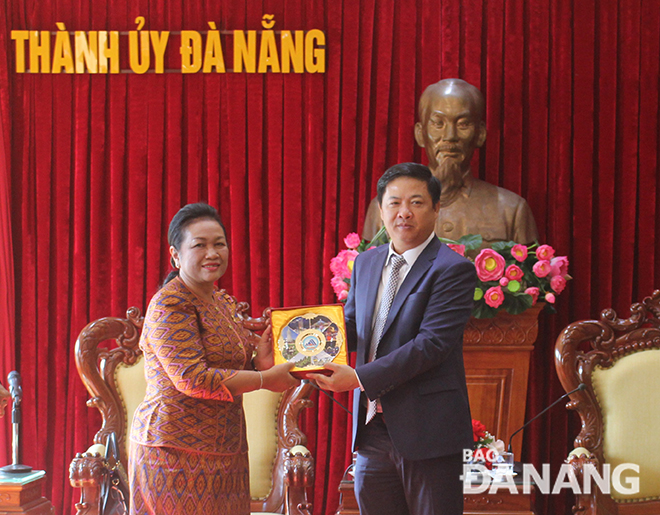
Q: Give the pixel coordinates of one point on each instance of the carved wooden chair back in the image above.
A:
(281, 468)
(619, 362)
(4, 400)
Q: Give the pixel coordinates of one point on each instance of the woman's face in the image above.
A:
(204, 255)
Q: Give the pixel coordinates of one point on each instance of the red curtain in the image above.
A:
(96, 165)
(7, 313)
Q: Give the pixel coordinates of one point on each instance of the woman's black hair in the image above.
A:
(185, 216)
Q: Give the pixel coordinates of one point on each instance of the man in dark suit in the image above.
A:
(405, 316)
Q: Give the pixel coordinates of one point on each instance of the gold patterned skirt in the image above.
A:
(168, 481)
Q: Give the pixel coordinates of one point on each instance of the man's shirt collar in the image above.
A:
(410, 255)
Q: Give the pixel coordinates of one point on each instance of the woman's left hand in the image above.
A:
(264, 359)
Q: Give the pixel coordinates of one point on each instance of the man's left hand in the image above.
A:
(342, 379)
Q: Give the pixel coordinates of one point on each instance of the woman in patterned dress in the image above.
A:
(188, 442)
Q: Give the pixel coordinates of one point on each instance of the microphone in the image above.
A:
(580, 388)
(14, 380)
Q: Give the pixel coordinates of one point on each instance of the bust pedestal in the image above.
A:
(497, 352)
(21, 493)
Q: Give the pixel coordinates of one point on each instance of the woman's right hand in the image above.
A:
(278, 378)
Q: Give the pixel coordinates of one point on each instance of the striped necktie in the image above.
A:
(383, 310)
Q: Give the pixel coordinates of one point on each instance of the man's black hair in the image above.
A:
(414, 170)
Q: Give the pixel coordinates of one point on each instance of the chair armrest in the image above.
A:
(577, 452)
(86, 472)
(298, 476)
(594, 503)
(97, 448)
(299, 449)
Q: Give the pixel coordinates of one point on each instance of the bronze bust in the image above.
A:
(451, 127)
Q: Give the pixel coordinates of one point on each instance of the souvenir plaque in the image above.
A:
(309, 337)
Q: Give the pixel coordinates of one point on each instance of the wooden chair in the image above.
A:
(4, 400)
(281, 468)
(620, 407)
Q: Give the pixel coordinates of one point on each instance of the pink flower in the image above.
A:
(494, 297)
(339, 285)
(342, 264)
(534, 292)
(558, 283)
(541, 268)
(456, 247)
(513, 273)
(550, 297)
(519, 252)
(490, 265)
(343, 295)
(372, 247)
(352, 240)
(503, 282)
(545, 252)
(559, 266)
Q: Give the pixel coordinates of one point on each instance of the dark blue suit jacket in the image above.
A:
(418, 373)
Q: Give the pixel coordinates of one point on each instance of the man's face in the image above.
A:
(450, 131)
(408, 213)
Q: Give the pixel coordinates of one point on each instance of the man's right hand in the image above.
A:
(342, 379)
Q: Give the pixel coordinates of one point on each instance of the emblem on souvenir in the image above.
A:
(309, 337)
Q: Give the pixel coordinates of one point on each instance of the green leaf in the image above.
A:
(471, 241)
(517, 303)
(364, 245)
(483, 310)
(503, 246)
(379, 238)
(549, 308)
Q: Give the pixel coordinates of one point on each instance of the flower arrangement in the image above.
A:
(486, 449)
(482, 438)
(510, 276)
(341, 265)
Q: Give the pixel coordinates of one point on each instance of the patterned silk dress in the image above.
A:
(188, 441)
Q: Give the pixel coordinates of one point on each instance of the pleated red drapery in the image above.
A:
(95, 166)
(7, 313)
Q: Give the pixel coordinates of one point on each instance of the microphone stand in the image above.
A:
(307, 381)
(16, 391)
(580, 387)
